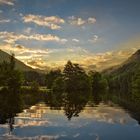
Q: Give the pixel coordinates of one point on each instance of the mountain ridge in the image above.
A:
(4, 56)
(130, 65)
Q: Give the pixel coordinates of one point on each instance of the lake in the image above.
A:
(105, 121)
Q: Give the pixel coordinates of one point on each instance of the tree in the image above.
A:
(58, 85)
(98, 82)
(75, 77)
(10, 92)
(51, 76)
(136, 87)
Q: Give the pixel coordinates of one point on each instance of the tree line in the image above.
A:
(65, 88)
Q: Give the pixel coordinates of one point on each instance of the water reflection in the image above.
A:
(103, 120)
(73, 115)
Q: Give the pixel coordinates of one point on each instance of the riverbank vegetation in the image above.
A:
(71, 88)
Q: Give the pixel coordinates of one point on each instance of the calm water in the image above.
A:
(102, 122)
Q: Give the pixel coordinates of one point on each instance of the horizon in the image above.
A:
(95, 34)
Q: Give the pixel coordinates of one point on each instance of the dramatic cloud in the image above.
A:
(11, 37)
(79, 21)
(31, 57)
(107, 59)
(44, 58)
(52, 22)
(7, 2)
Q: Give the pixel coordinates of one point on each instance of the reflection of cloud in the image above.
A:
(107, 113)
(50, 22)
(45, 137)
(76, 135)
(24, 122)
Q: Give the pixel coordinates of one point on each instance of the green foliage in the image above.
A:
(75, 78)
(98, 82)
(10, 94)
(30, 76)
(136, 87)
(58, 85)
(51, 76)
(34, 86)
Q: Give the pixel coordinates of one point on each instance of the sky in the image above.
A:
(45, 34)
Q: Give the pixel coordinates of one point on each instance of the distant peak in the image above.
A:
(137, 52)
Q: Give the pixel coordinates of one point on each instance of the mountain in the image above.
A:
(124, 76)
(19, 65)
(131, 65)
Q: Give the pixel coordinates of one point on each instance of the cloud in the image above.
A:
(44, 58)
(76, 21)
(31, 57)
(107, 59)
(91, 20)
(94, 39)
(1, 11)
(75, 40)
(11, 37)
(80, 22)
(4, 20)
(28, 30)
(7, 2)
(52, 22)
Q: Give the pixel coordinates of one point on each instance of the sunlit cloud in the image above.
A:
(52, 22)
(7, 2)
(11, 37)
(78, 21)
(44, 58)
(105, 60)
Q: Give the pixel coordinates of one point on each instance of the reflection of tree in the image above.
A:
(74, 103)
(54, 99)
